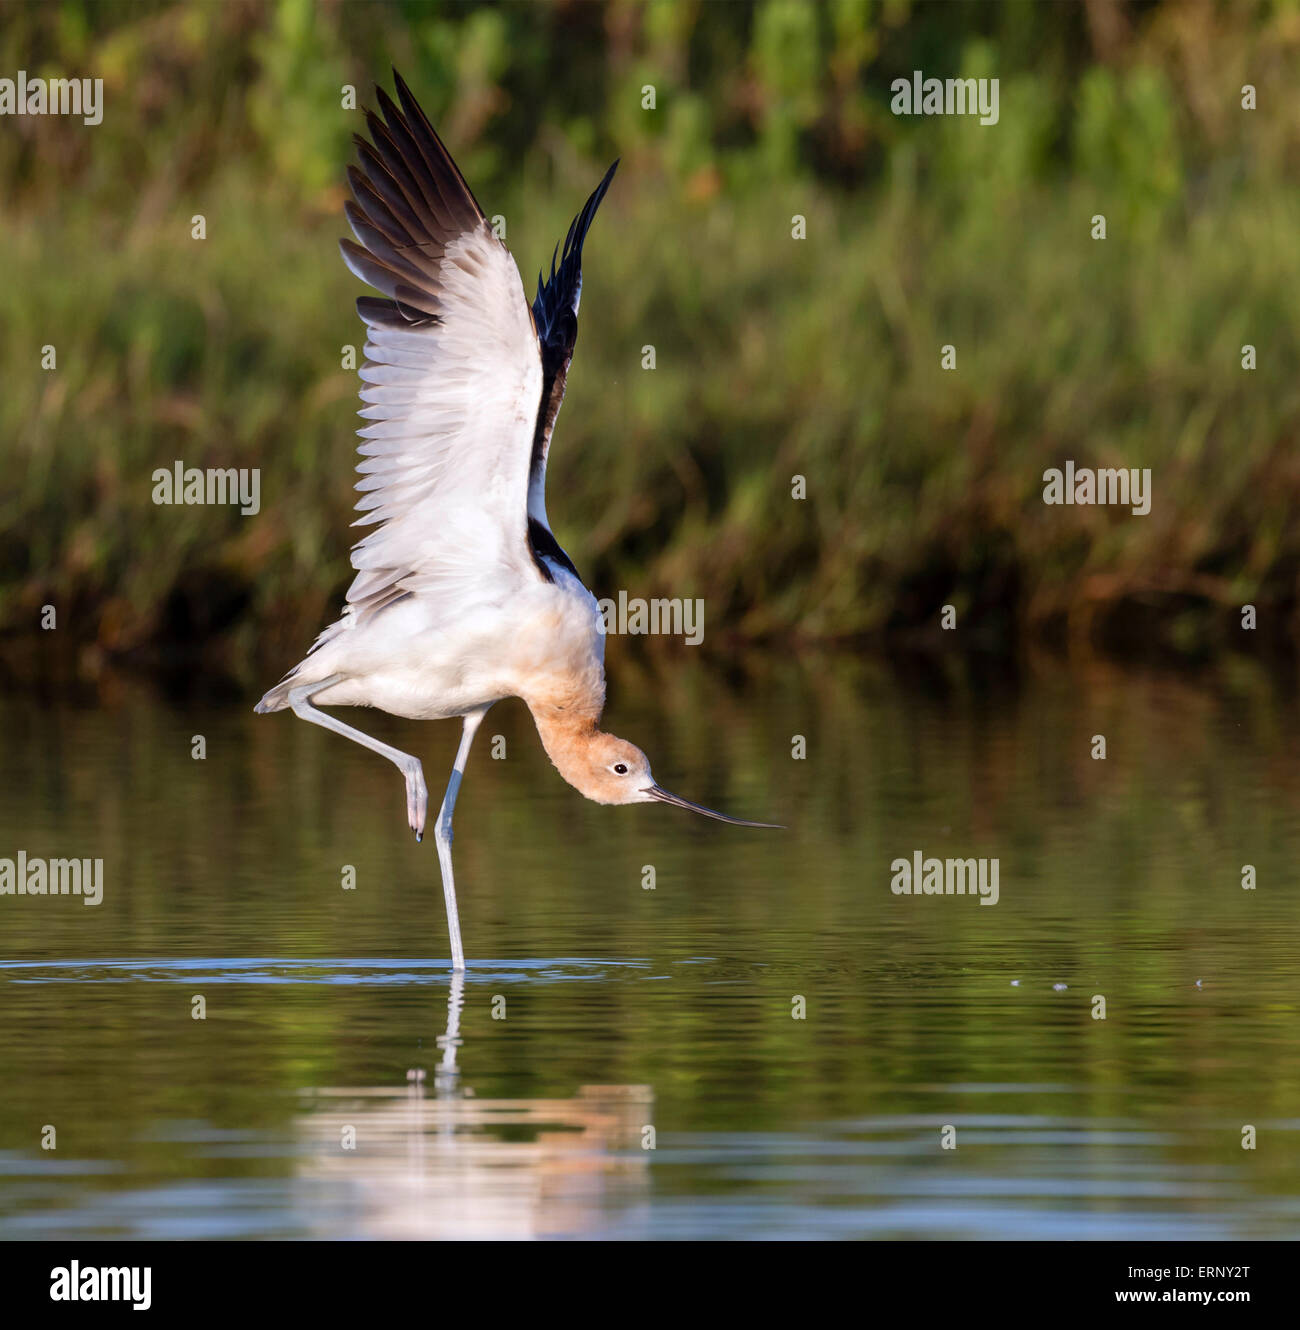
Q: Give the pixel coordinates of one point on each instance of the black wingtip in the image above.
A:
(581, 224)
(599, 192)
(386, 105)
(584, 219)
(560, 290)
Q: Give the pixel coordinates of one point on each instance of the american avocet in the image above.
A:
(462, 595)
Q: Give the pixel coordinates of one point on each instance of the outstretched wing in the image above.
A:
(453, 373)
(555, 312)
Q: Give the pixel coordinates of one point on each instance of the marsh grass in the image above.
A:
(775, 357)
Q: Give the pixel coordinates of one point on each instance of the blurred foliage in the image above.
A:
(775, 357)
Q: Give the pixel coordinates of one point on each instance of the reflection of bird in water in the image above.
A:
(462, 595)
(457, 1166)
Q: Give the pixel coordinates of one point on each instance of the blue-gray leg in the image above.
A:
(417, 792)
(442, 834)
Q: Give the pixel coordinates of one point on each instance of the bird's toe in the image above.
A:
(417, 802)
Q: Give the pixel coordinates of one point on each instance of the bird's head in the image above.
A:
(610, 770)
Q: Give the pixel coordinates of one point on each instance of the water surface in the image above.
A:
(768, 1043)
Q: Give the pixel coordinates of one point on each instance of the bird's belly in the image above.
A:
(539, 642)
(411, 694)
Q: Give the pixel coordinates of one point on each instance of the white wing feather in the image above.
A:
(454, 408)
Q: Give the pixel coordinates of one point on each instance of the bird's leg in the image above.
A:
(442, 835)
(417, 792)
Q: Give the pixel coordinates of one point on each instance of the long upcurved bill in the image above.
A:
(657, 792)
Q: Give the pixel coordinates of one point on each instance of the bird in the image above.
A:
(462, 595)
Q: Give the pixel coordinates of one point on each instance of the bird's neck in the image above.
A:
(567, 734)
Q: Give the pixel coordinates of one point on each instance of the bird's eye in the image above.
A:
(620, 768)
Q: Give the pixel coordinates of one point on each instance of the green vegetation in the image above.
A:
(775, 357)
